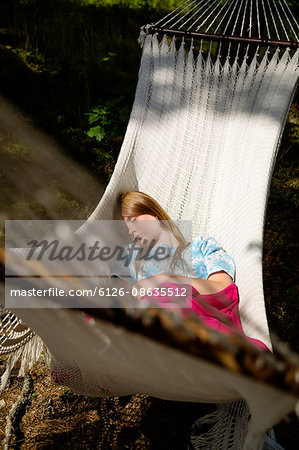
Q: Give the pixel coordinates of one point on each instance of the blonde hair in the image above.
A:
(136, 203)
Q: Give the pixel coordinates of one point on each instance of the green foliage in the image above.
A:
(108, 57)
(105, 163)
(290, 137)
(25, 2)
(284, 188)
(67, 395)
(36, 62)
(144, 4)
(108, 119)
(97, 132)
(292, 3)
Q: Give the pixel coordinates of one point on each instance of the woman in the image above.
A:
(167, 269)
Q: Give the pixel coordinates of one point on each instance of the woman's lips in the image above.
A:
(140, 238)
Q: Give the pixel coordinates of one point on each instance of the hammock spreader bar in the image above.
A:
(221, 37)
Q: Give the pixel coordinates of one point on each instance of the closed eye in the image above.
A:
(131, 219)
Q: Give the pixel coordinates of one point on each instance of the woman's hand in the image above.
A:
(153, 282)
(145, 284)
(215, 283)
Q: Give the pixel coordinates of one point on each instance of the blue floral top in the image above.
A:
(203, 256)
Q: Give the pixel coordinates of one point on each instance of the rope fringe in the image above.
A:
(229, 424)
(29, 354)
(143, 34)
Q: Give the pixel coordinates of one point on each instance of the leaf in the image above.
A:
(93, 118)
(96, 109)
(97, 132)
(108, 57)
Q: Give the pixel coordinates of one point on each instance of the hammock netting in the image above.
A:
(202, 139)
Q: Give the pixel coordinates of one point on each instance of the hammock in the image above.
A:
(202, 139)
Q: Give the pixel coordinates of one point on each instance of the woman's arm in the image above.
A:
(120, 283)
(216, 282)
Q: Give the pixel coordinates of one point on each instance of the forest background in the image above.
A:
(71, 67)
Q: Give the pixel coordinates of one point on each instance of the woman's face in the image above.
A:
(145, 228)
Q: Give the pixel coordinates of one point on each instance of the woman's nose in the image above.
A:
(131, 228)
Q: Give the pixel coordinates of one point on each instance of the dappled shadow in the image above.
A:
(168, 432)
(76, 54)
(80, 52)
(37, 180)
(170, 92)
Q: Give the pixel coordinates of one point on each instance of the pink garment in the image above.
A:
(219, 310)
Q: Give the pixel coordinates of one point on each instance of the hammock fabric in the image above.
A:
(202, 140)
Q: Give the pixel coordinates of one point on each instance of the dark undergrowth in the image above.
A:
(59, 60)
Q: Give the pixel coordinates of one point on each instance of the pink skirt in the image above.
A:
(219, 310)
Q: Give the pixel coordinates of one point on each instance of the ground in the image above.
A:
(52, 416)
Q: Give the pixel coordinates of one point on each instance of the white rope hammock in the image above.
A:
(202, 140)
